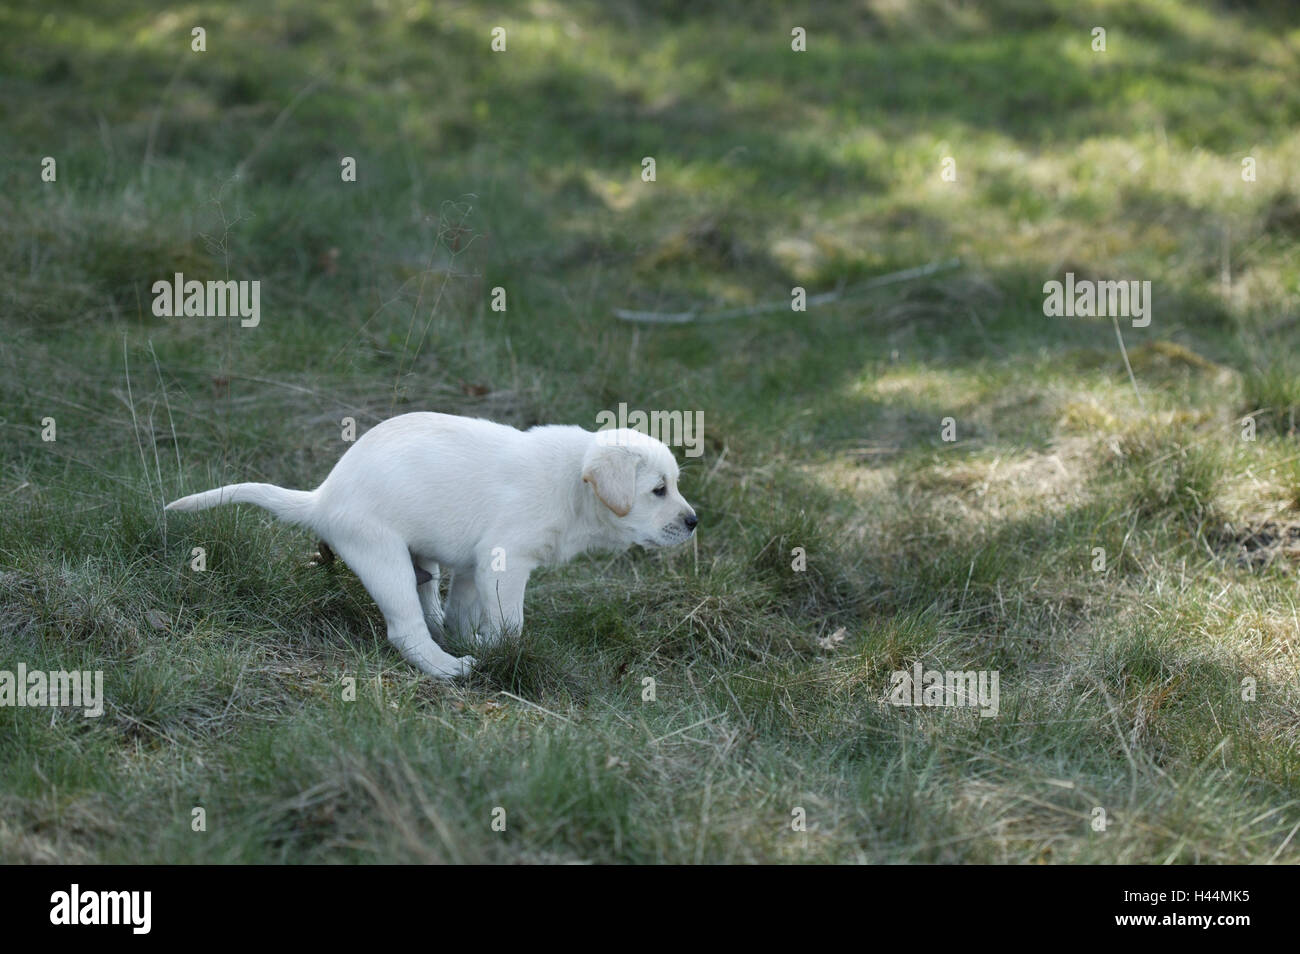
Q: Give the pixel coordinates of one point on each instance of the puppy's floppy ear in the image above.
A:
(611, 471)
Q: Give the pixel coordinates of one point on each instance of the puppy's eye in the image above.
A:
(661, 490)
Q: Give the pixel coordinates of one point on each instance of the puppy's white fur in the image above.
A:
(486, 502)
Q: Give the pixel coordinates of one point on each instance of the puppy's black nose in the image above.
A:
(691, 521)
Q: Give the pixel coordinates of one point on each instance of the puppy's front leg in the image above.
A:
(501, 599)
(463, 614)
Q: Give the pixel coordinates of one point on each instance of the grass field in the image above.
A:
(1122, 688)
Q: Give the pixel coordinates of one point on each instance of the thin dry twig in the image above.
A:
(685, 317)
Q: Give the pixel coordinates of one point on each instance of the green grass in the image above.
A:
(1121, 686)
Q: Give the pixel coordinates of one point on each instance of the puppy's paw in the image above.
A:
(452, 667)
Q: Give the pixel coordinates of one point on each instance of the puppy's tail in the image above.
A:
(293, 506)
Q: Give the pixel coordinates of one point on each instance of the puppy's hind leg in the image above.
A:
(384, 566)
(426, 583)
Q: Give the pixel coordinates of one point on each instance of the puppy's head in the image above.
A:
(635, 476)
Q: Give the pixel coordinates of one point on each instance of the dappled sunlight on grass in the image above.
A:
(522, 170)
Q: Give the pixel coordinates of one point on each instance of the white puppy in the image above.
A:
(486, 502)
